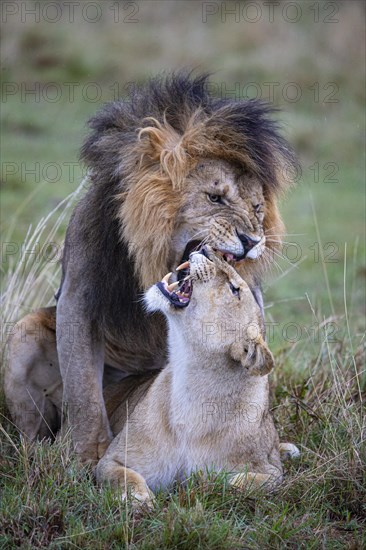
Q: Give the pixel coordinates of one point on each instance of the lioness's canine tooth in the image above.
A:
(171, 287)
(182, 266)
(166, 278)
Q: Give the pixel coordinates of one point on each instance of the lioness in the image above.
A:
(209, 407)
(169, 167)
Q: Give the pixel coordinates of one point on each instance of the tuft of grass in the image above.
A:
(31, 276)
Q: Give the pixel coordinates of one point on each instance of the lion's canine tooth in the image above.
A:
(171, 287)
(182, 266)
(166, 278)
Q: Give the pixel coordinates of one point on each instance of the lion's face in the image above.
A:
(223, 207)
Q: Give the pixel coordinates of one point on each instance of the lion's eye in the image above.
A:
(215, 198)
(234, 290)
(258, 207)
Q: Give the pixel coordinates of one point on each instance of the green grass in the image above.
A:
(319, 383)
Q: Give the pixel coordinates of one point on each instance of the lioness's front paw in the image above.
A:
(248, 480)
(140, 496)
(253, 480)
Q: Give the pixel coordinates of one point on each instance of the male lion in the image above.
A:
(209, 407)
(169, 168)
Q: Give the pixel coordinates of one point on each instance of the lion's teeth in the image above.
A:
(184, 265)
(171, 287)
(166, 278)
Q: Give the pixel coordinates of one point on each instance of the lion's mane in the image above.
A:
(139, 153)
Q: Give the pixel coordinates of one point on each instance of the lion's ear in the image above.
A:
(164, 145)
(254, 355)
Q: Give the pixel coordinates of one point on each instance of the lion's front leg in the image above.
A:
(80, 348)
(126, 480)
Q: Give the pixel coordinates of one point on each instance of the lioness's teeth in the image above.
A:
(184, 265)
(171, 287)
(166, 278)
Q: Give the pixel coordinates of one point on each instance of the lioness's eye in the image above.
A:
(258, 207)
(215, 198)
(235, 291)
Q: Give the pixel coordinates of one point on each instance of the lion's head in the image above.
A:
(224, 207)
(187, 168)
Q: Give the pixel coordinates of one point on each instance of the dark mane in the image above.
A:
(177, 97)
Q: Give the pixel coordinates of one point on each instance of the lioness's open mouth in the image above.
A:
(193, 246)
(180, 292)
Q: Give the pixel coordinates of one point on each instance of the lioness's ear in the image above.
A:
(254, 355)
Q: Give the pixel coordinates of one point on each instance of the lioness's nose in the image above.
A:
(248, 242)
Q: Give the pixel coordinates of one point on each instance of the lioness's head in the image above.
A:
(215, 311)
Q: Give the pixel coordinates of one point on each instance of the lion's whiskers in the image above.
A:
(283, 258)
(198, 233)
(279, 242)
(270, 261)
(285, 235)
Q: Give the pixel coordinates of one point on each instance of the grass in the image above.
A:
(319, 384)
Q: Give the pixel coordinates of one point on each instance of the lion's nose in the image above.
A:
(248, 242)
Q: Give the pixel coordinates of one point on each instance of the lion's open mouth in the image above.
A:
(178, 293)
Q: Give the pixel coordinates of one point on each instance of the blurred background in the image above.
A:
(62, 61)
